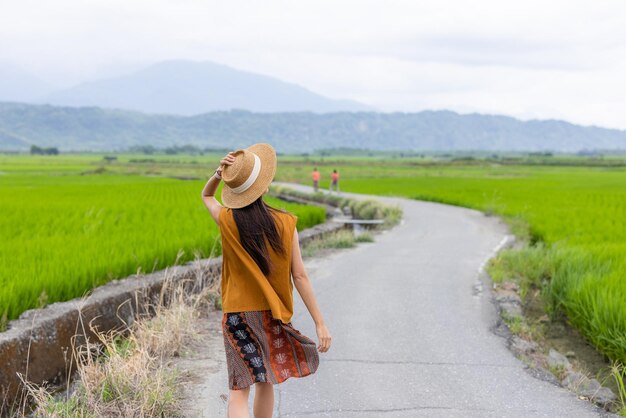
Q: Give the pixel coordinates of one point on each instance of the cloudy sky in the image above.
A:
(529, 59)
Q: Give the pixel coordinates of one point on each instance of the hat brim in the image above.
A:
(267, 155)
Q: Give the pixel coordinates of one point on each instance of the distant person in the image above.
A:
(316, 179)
(334, 181)
(261, 260)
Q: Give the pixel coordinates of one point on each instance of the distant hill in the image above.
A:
(11, 142)
(103, 130)
(17, 84)
(190, 88)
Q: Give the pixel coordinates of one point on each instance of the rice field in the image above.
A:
(64, 233)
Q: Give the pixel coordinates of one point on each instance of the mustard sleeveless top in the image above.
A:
(244, 286)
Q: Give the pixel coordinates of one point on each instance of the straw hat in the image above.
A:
(249, 176)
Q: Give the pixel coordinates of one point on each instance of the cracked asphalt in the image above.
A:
(412, 325)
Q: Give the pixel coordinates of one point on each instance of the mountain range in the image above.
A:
(212, 105)
(177, 87)
(97, 129)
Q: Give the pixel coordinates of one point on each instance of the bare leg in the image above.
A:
(263, 400)
(238, 403)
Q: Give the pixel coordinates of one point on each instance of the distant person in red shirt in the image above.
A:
(316, 179)
(334, 177)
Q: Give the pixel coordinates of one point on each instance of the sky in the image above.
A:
(532, 59)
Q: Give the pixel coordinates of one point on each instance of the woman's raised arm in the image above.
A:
(208, 192)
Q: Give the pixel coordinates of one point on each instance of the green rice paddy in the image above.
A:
(64, 233)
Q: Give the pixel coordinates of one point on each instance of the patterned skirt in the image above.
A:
(260, 348)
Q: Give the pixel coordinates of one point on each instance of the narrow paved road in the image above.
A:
(412, 330)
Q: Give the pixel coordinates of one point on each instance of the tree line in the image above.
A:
(35, 150)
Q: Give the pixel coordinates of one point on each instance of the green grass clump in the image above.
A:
(340, 239)
(366, 209)
(364, 237)
(618, 371)
(530, 267)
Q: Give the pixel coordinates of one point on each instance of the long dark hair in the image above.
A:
(255, 223)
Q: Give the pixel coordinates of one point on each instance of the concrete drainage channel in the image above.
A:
(37, 345)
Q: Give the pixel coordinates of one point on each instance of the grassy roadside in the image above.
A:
(531, 266)
(127, 372)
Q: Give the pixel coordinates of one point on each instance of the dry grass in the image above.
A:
(343, 238)
(365, 236)
(127, 373)
(618, 371)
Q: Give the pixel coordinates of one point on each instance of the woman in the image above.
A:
(261, 253)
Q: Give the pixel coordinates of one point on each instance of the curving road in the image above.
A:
(412, 330)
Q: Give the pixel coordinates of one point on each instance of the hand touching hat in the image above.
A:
(249, 176)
